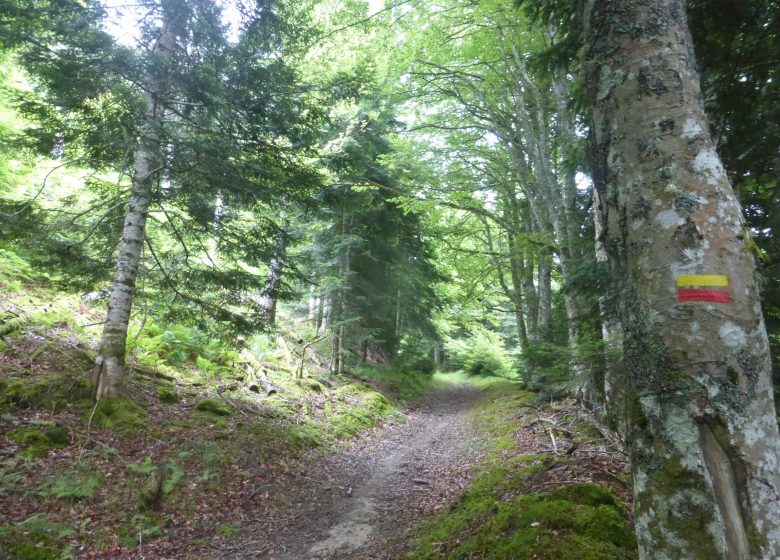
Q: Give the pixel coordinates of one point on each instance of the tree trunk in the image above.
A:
(611, 333)
(544, 291)
(704, 443)
(108, 372)
(270, 294)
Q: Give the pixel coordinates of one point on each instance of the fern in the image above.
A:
(176, 474)
(142, 467)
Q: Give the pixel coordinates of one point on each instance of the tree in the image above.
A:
(209, 131)
(703, 437)
(149, 157)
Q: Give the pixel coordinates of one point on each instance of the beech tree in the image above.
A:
(703, 437)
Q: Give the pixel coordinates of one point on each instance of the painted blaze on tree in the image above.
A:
(703, 435)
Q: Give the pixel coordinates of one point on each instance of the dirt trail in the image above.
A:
(385, 485)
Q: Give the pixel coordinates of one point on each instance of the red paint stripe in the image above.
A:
(717, 296)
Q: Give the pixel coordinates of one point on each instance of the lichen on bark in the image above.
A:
(699, 410)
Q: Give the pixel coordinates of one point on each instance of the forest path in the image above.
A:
(384, 485)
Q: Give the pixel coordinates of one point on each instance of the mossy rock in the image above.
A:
(314, 386)
(168, 394)
(50, 392)
(213, 406)
(21, 393)
(120, 415)
(38, 441)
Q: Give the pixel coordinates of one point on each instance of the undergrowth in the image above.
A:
(187, 436)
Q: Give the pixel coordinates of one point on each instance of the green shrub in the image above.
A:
(141, 528)
(482, 353)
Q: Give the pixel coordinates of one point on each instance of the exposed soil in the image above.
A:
(361, 502)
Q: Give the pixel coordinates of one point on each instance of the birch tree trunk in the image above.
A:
(108, 372)
(703, 439)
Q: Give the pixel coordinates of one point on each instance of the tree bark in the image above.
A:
(108, 372)
(270, 294)
(703, 440)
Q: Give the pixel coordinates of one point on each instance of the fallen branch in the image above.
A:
(256, 373)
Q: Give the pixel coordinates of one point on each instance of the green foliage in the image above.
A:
(14, 271)
(549, 364)
(10, 476)
(119, 414)
(227, 530)
(174, 476)
(76, 483)
(141, 528)
(482, 353)
(174, 346)
(142, 467)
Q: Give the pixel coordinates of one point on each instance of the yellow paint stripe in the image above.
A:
(703, 280)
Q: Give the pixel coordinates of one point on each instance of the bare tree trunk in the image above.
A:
(703, 439)
(339, 305)
(611, 333)
(270, 294)
(544, 291)
(108, 372)
(323, 313)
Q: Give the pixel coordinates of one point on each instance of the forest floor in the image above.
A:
(379, 463)
(384, 485)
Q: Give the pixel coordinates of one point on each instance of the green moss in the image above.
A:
(354, 408)
(314, 386)
(588, 494)
(168, 394)
(545, 525)
(678, 501)
(19, 393)
(756, 540)
(38, 441)
(120, 415)
(213, 406)
(496, 518)
(35, 538)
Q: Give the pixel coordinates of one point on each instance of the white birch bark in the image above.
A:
(109, 367)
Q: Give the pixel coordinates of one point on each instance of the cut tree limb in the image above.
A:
(256, 374)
